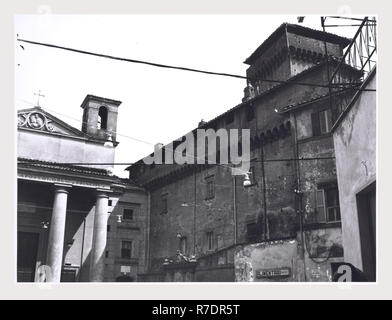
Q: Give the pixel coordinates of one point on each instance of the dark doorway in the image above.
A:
(366, 205)
(27, 256)
(124, 278)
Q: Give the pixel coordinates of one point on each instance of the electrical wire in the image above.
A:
(149, 143)
(186, 68)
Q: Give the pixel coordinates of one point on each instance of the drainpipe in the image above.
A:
(266, 228)
(235, 207)
(194, 214)
(147, 238)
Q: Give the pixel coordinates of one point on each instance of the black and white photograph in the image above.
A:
(196, 148)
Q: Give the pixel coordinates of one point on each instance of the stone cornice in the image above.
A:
(30, 176)
(74, 179)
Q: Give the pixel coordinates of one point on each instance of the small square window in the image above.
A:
(126, 249)
(127, 214)
(110, 203)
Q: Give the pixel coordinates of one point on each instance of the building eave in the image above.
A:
(299, 30)
(91, 97)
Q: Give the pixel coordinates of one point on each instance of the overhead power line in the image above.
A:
(150, 143)
(159, 65)
(131, 163)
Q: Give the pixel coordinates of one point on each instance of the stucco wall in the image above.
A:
(355, 149)
(57, 148)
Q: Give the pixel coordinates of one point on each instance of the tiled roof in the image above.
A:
(63, 166)
(78, 169)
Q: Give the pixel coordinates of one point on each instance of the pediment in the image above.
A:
(39, 120)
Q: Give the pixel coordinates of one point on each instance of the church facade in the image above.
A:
(76, 222)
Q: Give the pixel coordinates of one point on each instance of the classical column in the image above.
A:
(99, 238)
(56, 233)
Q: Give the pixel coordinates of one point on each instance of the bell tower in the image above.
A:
(100, 118)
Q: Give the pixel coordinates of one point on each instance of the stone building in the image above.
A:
(354, 135)
(76, 222)
(207, 225)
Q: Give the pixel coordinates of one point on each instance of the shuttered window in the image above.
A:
(327, 205)
(321, 122)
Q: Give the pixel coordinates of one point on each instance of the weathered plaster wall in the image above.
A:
(252, 258)
(355, 145)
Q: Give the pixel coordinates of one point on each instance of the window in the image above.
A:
(210, 188)
(127, 214)
(108, 228)
(253, 233)
(321, 122)
(250, 114)
(164, 204)
(183, 245)
(126, 249)
(110, 203)
(327, 205)
(210, 240)
(102, 118)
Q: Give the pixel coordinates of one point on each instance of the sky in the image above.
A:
(158, 105)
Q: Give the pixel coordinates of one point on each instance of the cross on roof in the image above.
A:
(39, 95)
